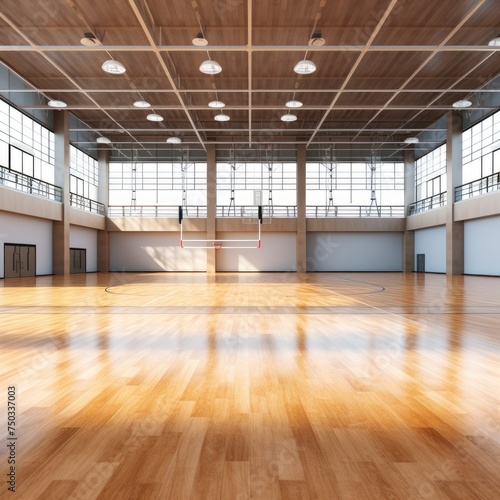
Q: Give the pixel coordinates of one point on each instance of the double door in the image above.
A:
(19, 260)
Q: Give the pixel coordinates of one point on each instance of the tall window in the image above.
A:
(430, 174)
(25, 145)
(481, 149)
(84, 174)
(168, 184)
(238, 182)
(332, 184)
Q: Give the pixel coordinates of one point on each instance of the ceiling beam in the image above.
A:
(254, 48)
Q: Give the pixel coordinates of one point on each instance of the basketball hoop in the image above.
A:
(217, 246)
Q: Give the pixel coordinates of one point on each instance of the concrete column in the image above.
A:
(103, 256)
(211, 205)
(409, 236)
(301, 209)
(454, 230)
(60, 229)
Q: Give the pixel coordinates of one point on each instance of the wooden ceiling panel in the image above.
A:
(364, 98)
(279, 65)
(29, 64)
(393, 35)
(481, 27)
(228, 98)
(389, 64)
(280, 98)
(71, 36)
(8, 36)
(187, 64)
(414, 98)
(429, 13)
(451, 64)
(222, 36)
(36, 13)
(211, 14)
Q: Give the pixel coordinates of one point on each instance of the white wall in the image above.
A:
(27, 231)
(148, 251)
(277, 253)
(481, 246)
(83, 237)
(432, 242)
(346, 251)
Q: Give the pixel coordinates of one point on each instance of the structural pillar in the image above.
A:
(301, 257)
(454, 230)
(409, 236)
(103, 255)
(211, 206)
(60, 229)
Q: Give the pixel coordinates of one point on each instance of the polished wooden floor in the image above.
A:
(253, 386)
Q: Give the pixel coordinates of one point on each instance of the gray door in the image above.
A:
(77, 260)
(19, 261)
(420, 262)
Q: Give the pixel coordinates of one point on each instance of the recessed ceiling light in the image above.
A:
(90, 40)
(113, 67)
(210, 67)
(103, 140)
(316, 40)
(411, 140)
(463, 103)
(305, 67)
(174, 140)
(153, 117)
(293, 104)
(221, 118)
(141, 104)
(288, 118)
(55, 103)
(495, 42)
(216, 104)
(200, 40)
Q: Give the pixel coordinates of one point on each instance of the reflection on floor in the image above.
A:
(247, 386)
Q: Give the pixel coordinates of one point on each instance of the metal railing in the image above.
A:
(277, 211)
(322, 211)
(478, 187)
(26, 184)
(167, 211)
(77, 201)
(436, 201)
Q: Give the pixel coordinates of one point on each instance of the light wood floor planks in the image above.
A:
(253, 386)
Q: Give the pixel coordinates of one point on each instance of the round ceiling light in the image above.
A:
(103, 140)
(153, 117)
(200, 40)
(90, 40)
(113, 67)
(210, 67)
(221, 118)
(288, 118)
(463, 103)
(411, 140)
(317, 40)
(216, 104)
(142, 104)
(174, 140)
(293, 104)
(495, 42)
(305, 67)
(55, 103)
